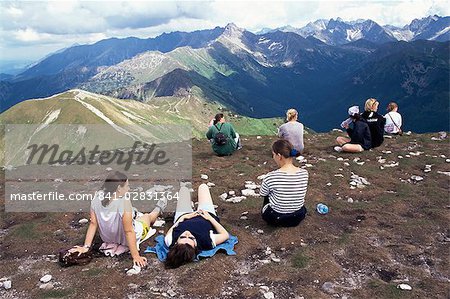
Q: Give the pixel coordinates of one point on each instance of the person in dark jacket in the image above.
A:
(375, 121)
(358, 131)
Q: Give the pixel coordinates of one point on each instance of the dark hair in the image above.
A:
(180, 254)
(112, 182)
(284, 148)
(218, 117)
(356, 117)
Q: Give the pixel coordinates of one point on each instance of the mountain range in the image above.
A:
(262, 75)
(339, 32)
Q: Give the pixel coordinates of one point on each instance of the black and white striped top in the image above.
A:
(286, 191)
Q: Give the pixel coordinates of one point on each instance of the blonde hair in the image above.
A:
(391, 106)
(291, 114)
(369, 104)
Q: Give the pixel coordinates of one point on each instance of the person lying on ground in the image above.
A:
(193, 231)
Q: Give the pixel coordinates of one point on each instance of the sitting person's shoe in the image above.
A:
(338, 149)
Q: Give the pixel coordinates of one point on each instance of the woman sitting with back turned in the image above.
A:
(223, 137)
(375, 121)
(284, 189)
(357, 130)
(292, 131)
(393, 120)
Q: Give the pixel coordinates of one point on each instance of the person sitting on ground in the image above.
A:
(223, 137)
(358, 131)
(375, 121)
(292, 130)
(393, 120)
(117, 221)
(193, 231)
(284, 189)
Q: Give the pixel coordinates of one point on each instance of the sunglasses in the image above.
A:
(184, 237)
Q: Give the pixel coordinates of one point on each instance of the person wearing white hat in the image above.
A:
(359, 133)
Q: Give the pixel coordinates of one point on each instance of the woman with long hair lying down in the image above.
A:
(193, 231)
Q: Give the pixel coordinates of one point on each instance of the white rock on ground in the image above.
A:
(133, 271)
(46, 278)
(83, 221)
(261, 177)
(171, 293)
(236, 199)
(204, 177)
(249, 192)
(223, 196)
(404, 286)
(251, 185)
(209, 184)
(46, 286)
(269, 295)
(231, 193)
(7, 284)
(416, 178)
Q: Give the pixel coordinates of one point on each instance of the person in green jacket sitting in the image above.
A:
(222, 136)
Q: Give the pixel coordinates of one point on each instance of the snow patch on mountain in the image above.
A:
(263, 40)
(443, 31)
(354, 34)
(273, 46)
(399, 34)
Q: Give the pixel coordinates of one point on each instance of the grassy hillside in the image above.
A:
(189, 110)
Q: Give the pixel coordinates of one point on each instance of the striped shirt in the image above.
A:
(286, 191)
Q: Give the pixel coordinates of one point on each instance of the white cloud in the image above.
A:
(14, 12)
(44, 25)
(27, 35)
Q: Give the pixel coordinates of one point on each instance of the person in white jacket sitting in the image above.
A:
(393, 120)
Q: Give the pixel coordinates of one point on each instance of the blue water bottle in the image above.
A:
(322, 209)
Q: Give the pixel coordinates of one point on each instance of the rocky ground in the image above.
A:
(387, 225)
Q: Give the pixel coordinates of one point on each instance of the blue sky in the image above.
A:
(31, 30)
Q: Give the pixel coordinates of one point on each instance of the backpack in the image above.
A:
(220, 138)
(67, 258)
